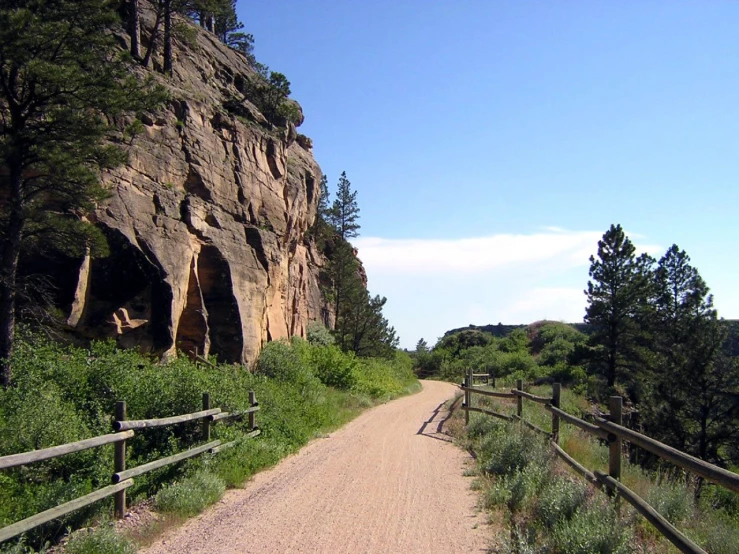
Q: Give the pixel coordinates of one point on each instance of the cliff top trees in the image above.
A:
(60, 76)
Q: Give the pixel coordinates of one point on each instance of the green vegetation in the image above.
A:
(63, 394)
(191, 495)
(102, 540)
(656, 339)
(548, 509)
(545, 350)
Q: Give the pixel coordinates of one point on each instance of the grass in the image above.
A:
(191, 495)
(101, 540)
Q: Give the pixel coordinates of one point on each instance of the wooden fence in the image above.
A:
(610, 429)
(122, 478)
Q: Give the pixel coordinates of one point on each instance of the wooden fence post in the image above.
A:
(519, 399)
(252, 415)
(467, 396)
(119, 464)
(614, 448)
(205, 422)
(556, 395)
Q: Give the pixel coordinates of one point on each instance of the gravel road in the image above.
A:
(388, 482)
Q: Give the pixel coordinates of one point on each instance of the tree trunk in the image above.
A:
(168, 37)
(8, 272)
(154, 36)
(134, 29)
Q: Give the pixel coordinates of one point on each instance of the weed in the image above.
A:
(671, 499)
(559, 500)
(190, 496)
(102, 540)
(593, 529)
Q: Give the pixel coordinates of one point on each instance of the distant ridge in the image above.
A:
(731, 345)
(501, 330)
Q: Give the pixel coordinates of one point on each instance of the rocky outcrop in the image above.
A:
(206, 224)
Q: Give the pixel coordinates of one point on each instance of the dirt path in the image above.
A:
(388, 482)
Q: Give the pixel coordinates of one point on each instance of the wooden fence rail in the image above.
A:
(122, 478)
(611, 430)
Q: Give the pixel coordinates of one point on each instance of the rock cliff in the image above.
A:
(206, 223)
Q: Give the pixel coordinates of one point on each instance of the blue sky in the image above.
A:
(493, 142)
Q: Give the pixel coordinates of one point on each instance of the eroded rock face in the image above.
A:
(206, 224)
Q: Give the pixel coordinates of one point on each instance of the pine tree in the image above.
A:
(618, 306)
(693, 403)
(345, 211)
(61, 80)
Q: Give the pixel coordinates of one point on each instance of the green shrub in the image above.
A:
(560, 499)
(333, 367)
(717, 535)
(673, 500)
(103, 540)
(593, 529)
(513, 451)
(280, 361)
(318, 335)
(190, 496)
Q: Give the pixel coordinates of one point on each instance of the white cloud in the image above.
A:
(550, 247)
(476, 254)
(554, 303)
(434, 285)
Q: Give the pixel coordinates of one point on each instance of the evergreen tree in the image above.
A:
(693, 403)
(345, 211)
(618, 307)
(422, 346)
(61, 80)
(323, 200)
(366, 332)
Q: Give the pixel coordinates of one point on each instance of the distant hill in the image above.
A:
(501, 330)
(731, 345)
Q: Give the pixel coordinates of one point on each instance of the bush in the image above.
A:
(559, 500)
(333, 367)
(280, 361)
(513, 451)
(524, 485)
(592, 529)
(318, 335)
(673, 500)
(103, 540)
(717, 535)
(190, 496)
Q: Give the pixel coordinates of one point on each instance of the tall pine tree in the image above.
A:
(693, 401)
(618, 305)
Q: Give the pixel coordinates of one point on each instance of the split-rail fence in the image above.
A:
(609, 428)
(122, 478)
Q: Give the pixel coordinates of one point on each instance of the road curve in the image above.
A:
(388, 482)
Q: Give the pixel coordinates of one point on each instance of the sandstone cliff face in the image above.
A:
(206, 224)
